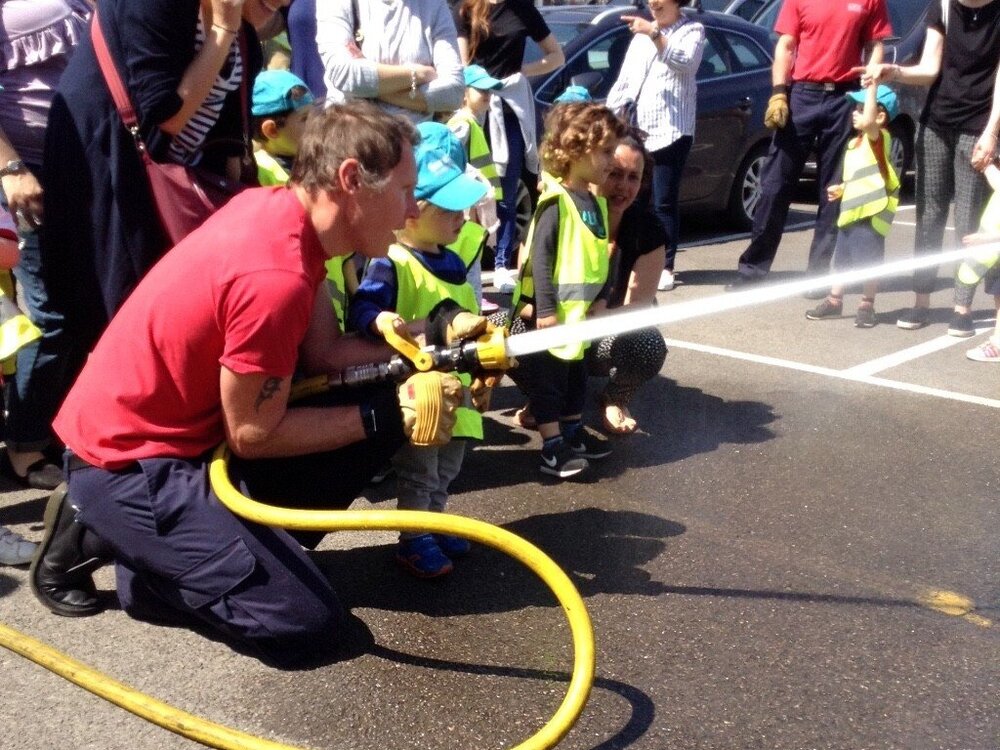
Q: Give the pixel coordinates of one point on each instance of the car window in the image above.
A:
(603, 57)
(746, 52)
(767, 15)
(714, 59)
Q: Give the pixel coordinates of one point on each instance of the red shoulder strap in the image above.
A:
(114, 81)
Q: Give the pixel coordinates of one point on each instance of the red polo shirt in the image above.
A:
(831, 35)
(237, 293)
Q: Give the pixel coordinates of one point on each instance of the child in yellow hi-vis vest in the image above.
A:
(15, 331)
(868, 198)
(564, 277)
(982, 264)
(419, 276)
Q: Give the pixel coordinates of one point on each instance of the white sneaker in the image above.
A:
(504, 280)
(666, 281)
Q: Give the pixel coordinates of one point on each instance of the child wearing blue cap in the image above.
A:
(868, 198)
(418, 275)
(280, 105)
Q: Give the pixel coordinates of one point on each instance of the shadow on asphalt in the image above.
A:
(28, 511)
(642, 707)
(600, 550)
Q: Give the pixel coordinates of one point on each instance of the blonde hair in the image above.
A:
(575, 129)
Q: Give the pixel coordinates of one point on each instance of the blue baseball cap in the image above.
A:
(573, 94)
(279, 91)
(884, 96)
(441, 178)
(476, 77)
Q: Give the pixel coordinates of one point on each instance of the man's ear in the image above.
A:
(349, 175)
(269, 129)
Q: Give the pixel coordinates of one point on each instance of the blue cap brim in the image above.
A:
(461, 193)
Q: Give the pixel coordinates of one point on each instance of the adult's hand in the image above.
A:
(875, 74)
(776, 116)
(428, 401)
(984, 151)
(227, 13)
(547, 321)
(24, 196)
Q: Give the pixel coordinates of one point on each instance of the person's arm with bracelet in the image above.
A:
(345, 70)
(20, 186)
(776, 115)
(924, 73)
(552, 58)
(446, 90)
(200, 74)
(985, 149)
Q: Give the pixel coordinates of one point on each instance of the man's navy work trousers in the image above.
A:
(819, 119)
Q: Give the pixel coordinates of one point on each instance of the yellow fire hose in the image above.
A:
(214, 735)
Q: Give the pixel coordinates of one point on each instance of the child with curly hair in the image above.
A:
(565, 274)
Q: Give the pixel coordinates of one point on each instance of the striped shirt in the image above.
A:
(185, 147)
(667, 98)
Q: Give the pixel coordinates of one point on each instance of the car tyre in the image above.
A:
(747, 190)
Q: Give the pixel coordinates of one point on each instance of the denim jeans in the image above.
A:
(668, 165)
(37, 387)
(507, 239)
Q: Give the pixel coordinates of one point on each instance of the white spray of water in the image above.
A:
(632, 320)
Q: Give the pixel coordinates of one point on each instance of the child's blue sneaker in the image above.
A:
(422, 557)
(453, 546)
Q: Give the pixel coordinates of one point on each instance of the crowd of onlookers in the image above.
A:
(226, 86)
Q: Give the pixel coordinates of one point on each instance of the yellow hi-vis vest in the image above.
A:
(479, 152)
(469, 244)
(981, 257)
(866, 194)
(581, 265)
(269, 170)
(15, 328)
(418, 291)
(336, 286)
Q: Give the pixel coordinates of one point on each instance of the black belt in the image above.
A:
(829, 86)
(74, 463)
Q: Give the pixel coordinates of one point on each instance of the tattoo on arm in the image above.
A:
(270, 387)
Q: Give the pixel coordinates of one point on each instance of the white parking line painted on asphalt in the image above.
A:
(838, 374)
(908, 355)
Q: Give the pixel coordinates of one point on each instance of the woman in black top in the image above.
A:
(493, 34)
(637, 254)
(638, 248)
(957, 137)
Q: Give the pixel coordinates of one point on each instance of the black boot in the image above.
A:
(60, 574)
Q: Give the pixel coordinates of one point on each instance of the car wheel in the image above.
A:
(901, 147)
(746, 191)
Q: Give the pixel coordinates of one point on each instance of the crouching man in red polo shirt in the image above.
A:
(820, 43)
(203, 351)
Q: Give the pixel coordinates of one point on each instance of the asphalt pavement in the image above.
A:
(765, 564)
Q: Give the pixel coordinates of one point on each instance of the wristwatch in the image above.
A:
(15, 166)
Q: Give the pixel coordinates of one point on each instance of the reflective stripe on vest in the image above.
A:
(479, 153)
(981, 259)
(418, 291)
(336, 287)
(581, 264)
(469, 244)
(866, 194)
(269, 171)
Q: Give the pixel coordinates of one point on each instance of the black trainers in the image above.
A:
(561, 461)
(865, 317)
(589, 446)
(826, 310)
(913, 319)
(961, 326)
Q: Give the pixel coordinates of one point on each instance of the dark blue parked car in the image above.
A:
(734, 83)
